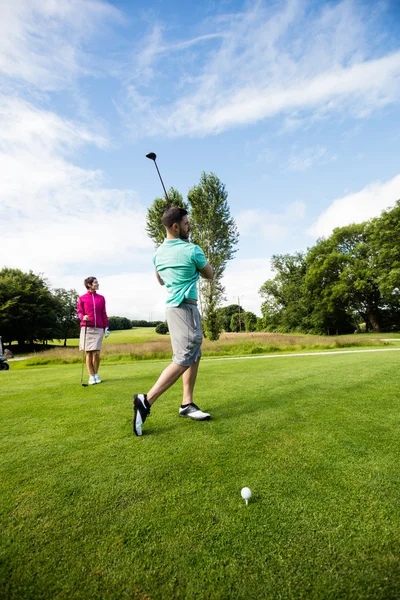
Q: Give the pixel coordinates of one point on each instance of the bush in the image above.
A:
(162, 328)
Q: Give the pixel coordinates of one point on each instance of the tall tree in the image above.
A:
(286, 305)
(214, 230)
(342, 277)
(67, 323)
(384, 238)
(154, 227)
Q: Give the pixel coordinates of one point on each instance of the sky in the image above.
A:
(294, 105)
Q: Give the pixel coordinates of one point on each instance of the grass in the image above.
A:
(89, 511)
(136, 335)
(128, 346)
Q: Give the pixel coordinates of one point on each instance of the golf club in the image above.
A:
(83, 357)
(152, 156)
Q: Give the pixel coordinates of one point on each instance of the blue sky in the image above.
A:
(293, 104)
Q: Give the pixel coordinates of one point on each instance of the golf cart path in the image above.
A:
(330, 352)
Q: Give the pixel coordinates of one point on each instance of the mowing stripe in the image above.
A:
(302, 354)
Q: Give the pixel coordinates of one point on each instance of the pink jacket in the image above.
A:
(94, 306)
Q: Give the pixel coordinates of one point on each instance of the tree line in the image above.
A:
(347, 282)
(31, 312)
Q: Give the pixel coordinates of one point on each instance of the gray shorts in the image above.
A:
(184, 324)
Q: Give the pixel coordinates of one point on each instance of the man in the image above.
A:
(178, 266)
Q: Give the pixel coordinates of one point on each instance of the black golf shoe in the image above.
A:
(141, 410)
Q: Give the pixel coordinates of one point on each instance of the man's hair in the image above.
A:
(88, 282)
(172, 215)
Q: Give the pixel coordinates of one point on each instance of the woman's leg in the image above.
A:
(89, 363)
(96, 361)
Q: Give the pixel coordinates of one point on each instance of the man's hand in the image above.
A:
(106, 332)
(85, 318)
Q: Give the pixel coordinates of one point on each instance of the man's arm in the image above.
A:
(206, 272)
(160, 281)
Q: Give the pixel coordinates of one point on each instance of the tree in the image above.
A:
(225, 315)
(162, 328)
(384, 238)
(214, 230)
(154, 227)
(286, 304)
(352, 277)
(342, 277)
(28, 310)
(237, 322)
(250, 321)
(143, 323)
(67, 323)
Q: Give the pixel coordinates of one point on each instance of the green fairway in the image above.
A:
(136, 335)
(89, 511)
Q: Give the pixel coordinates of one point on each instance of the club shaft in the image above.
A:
(84, 353)
(162, 183)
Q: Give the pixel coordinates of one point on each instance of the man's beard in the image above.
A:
(184, 236)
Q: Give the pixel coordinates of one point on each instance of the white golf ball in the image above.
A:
(246, 493)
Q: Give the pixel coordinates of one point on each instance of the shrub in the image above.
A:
(162, 328)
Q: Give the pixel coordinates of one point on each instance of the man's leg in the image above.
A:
(167, 378)
(189, 380)
(143, 402)
(188, 408)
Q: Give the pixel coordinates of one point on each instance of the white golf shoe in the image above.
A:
(192, 411)
(97, 378)
(92, 380)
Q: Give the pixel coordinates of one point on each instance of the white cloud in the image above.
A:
(42, 41)
(308, 157)
(243, 279)
(56, 215)
(357, 207)
(271, 61)
(273, 226)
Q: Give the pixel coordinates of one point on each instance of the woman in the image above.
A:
(94, 324)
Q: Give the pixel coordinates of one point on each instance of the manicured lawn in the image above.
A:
(144, 344)
(125, 336)
(89, 511)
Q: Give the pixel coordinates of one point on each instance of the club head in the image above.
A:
(151, 156)
(84, 384)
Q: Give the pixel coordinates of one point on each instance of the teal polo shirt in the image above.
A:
(178, 263)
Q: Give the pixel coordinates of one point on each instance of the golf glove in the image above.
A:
(106, 332)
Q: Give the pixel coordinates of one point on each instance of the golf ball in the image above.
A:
(246, 493)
